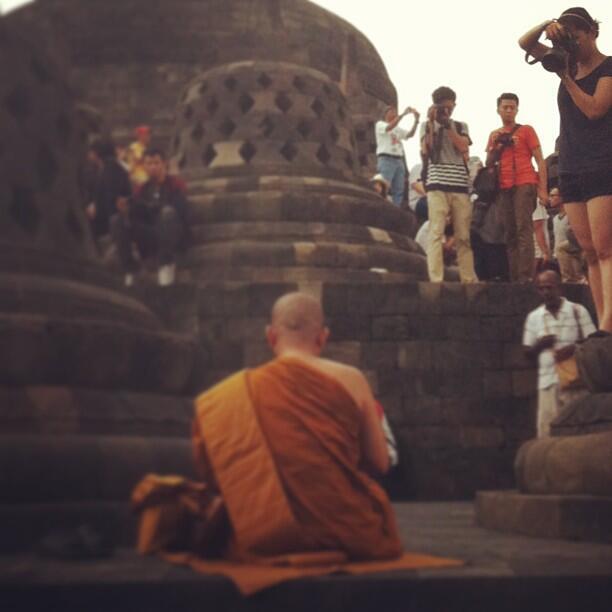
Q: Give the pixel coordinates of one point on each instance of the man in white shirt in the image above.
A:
(550, 334)
(390, 160)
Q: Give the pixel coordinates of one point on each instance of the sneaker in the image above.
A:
(128, 280)
(166, 274)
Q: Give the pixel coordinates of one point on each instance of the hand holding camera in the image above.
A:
(439, 113)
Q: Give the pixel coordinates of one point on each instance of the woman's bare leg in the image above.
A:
(578, 216)
(599, 211)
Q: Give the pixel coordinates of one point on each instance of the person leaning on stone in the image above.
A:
(520, 186)
(445, 147)
(155, 220)
(390, 159)
(549, 336)
(108, 187)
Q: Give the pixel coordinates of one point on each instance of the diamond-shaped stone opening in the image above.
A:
(198, 132)
(46, 167)
(304, 128)
(289, 151)
(188, 112)
(247, 151)
(64, 128)
(267, 126)
(39, 70)
(348, 160)
(203, 88)
(318, 107)
(74, 226)
(283, 102)
(212, 105)
(230, 83)
(334, 134)
(264, 80)
(209, 155)
(323, 155)
(299, 84)
(23, 208)
(17, 103)
(227, 127)
(245, 103)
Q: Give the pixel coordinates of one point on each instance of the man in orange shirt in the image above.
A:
(520, 185)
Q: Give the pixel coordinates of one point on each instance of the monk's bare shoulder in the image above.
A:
(350, 377)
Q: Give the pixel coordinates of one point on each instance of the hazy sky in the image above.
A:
(469, 46)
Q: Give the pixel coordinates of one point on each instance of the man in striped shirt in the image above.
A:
(445, 147)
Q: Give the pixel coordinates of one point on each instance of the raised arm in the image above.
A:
(530, 40)
(373, 445)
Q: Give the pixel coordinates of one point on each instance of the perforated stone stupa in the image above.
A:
(90, 384)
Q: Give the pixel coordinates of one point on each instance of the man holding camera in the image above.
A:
(444, 147)
(520, 185)
(390, 161)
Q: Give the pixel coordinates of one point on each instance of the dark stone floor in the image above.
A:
(502, 573)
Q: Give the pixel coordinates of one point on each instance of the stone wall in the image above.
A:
(445, 360)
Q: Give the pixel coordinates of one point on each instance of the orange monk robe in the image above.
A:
(282, 444)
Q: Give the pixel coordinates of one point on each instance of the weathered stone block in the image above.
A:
(381, 355)
(415, 355)
(429, 294)
(351, 327)
(464, 328)
(496, 384)
(393, 328)
(524, 383)
(345, 352)
(481, 437)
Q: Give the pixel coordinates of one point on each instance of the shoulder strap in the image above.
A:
(577, 319)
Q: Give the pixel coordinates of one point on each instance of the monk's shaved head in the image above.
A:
(299, 315)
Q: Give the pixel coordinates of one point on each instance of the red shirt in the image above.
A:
(515, 166)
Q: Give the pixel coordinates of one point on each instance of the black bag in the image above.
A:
(486, 182)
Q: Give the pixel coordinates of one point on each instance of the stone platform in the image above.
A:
(578, 517)
(502, 573)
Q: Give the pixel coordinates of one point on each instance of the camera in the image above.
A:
(556, 59)
(442, 114)
(505, 139)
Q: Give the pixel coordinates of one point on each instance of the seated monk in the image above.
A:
(290, 447)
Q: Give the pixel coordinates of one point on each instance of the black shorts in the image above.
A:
(585, 186)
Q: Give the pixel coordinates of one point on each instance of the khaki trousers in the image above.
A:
(517, 206)
(551, 402)
(441, 204)
(570, 264)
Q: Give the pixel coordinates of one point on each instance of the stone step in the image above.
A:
(298, 207)
(63, 411)
(39, 350)
(281, 254)
(38, 469)
(292, 231)
(502, 573)
(572, 517)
